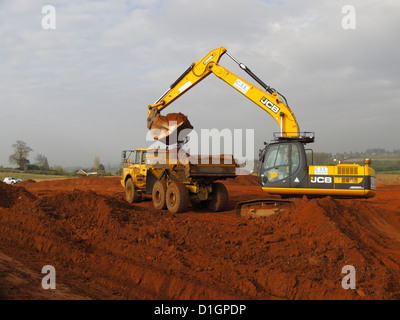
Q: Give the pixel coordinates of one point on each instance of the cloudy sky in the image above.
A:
(81, 90)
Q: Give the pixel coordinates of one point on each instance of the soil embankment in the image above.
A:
(104, 248)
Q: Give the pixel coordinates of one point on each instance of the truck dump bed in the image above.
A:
(191, 166)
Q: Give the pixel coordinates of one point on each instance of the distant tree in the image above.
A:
(58, 170)
(375, 151)
(96, 163)
(41, 162)
(319, 158)
(20, 155)
(32, 167)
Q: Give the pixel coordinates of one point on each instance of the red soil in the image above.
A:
(104, 248)
(171, 124)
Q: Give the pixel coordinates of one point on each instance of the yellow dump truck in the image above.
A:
(176, 179)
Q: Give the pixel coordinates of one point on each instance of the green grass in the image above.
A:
(33, 176)
(379, 156)
(393, 156)
(389, 172)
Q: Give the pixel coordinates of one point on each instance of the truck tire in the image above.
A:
(219, 197)
(177, 197)
(159, 194)
(131, 192)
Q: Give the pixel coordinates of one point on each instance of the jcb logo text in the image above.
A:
(321, 180)
(269, 105)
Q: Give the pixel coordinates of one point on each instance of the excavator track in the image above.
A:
(262, 207)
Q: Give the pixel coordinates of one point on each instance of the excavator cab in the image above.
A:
(283, 165)
(284, 171)
(284, 162)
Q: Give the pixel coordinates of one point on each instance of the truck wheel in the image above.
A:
(177, 197)
(159, 193)
(131, 192)
(219, 197)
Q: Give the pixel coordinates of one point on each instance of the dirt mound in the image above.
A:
(387, 179)
(243, 180)
(27, 181)
(106, 248)
(81, 182)
(317, 238)
(10, 194)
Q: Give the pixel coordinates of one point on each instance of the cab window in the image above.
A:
(282, 157)
(277, 155)
(143, 157)
(136, 157)
(281, 161)
(270, 157)
(276, 163)
(295, 158)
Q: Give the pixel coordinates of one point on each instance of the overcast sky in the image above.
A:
(81, 90)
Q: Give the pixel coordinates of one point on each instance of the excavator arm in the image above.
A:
(268, 99)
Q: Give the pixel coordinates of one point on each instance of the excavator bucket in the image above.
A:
(169, 129)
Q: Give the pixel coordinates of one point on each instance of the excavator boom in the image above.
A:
(267, 99)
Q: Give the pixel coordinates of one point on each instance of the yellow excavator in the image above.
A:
(284, 169)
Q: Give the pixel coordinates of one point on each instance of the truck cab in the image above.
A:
(134, 166)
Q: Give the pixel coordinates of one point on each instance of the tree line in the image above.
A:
(20, 158)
